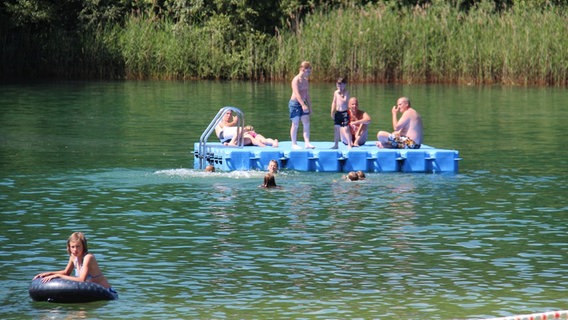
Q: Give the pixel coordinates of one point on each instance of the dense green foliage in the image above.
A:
(473, 41)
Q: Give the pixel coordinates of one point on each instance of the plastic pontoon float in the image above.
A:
(367, 158)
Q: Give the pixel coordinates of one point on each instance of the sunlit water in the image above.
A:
(113, 160)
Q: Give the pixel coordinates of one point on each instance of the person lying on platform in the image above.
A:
(225, 129)
(408, 129)
(253, 138)
(85, 265)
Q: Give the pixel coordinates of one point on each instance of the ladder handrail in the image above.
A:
(211, 127)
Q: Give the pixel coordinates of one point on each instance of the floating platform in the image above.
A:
(367, 158)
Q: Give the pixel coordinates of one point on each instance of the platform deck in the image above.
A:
(367, 158)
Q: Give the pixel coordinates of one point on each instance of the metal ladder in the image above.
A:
(202, 153)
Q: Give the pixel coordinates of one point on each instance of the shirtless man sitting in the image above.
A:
(358, 123)
(408, 129)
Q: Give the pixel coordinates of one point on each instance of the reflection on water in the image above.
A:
(181, 243)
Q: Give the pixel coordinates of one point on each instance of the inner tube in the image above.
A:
(67, 291)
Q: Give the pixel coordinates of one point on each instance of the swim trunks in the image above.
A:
(402, 142)
(296, 109)
(341, 118)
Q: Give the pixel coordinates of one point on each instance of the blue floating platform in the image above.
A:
(367, 158)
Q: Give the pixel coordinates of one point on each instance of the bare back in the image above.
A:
(91, 272)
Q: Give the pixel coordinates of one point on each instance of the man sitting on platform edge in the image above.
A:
(408, 129)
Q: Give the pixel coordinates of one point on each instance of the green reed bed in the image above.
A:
(376, 43)
(536, 50)
(100, 56)
(359, 44)
(434, 44)
(165, 50)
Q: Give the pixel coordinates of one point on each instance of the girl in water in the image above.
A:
(84, 263)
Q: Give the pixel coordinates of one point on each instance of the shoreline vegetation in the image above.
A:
(380, 41)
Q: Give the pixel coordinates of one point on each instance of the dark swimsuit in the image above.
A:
(341, 118)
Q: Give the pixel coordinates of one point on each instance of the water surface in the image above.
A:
(113, 159)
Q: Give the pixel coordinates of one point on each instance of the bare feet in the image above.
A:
(379, 144)
(296, 147)
(309, 146)
(334, 147)
(275, 144)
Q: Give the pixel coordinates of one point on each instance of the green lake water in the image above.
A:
(114, 160)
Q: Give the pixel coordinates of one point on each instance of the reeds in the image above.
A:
(375, 43)
(436, 44)
(164, 50)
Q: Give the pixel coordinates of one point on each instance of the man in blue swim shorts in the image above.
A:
(300, 106)
(296, 110)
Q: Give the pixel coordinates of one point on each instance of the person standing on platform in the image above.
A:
(300, 106)
(340, 114)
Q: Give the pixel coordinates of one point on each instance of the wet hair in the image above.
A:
(210, 168)
(275, 163)
(305, 65)
(352, 175)
(341, 80)
(361, 175)
(77, 237)
(269, 181)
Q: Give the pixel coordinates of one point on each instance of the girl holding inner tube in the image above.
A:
(84, 263)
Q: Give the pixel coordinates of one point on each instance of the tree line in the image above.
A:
(214, 39)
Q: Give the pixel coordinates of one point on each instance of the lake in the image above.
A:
(114, 160)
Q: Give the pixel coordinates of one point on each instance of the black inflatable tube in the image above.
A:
(67, 291)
